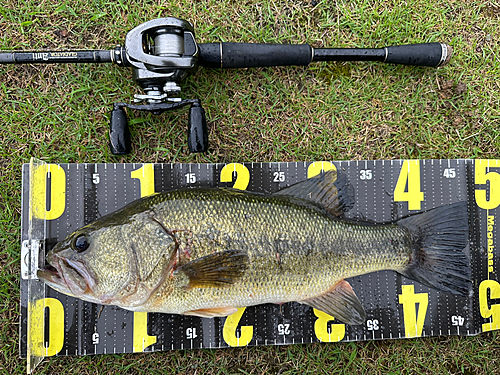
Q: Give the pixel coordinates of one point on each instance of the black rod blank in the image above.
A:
(56, 57)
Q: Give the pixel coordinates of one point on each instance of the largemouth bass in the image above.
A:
(206, 252)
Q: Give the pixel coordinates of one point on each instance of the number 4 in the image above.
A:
(414, 317)
(408, 185)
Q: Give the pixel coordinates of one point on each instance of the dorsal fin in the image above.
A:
(331, 190)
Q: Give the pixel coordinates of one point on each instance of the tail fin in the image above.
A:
(440, 237)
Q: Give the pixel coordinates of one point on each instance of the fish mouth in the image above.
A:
(68, 276)
(49, 274)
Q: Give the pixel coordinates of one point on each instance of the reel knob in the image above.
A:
(198, 131)
(119, 134)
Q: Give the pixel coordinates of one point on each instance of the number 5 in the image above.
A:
(482, 178)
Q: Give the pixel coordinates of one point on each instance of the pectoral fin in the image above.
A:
(212, 313)
(215, 270)
(341, 303)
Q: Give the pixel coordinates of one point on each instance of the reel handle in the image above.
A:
(119, 134)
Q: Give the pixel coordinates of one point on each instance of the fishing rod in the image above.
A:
(162, 52)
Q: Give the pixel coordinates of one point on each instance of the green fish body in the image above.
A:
(206, 252)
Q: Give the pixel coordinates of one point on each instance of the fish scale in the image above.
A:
(311, 243)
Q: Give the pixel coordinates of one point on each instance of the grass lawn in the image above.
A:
(326, 111)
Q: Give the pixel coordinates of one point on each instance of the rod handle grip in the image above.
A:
(253, 55)
(423, 54)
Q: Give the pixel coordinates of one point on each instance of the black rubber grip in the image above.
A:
(349, 54)
(210, 55)
(425, 54)
(253, 55)
(197, 131)
(119, 134)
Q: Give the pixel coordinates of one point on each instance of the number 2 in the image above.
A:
(242, 175)
(229, 330)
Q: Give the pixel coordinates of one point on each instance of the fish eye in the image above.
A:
(81, 243)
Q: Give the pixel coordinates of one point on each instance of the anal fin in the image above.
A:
(212, 313)
(340, 302)
(215, 270)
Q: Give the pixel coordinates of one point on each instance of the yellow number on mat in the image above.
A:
(141, 339)
(242, 175)
(232, 321)
(146, 176)
(481, 177)
(413, 320)
(229, 330)
(409, 176)
(487, 312)
(315, 168)
(57, 191)
(37, 327)
(337, 331)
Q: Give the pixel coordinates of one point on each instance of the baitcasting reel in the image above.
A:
(162, 52)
